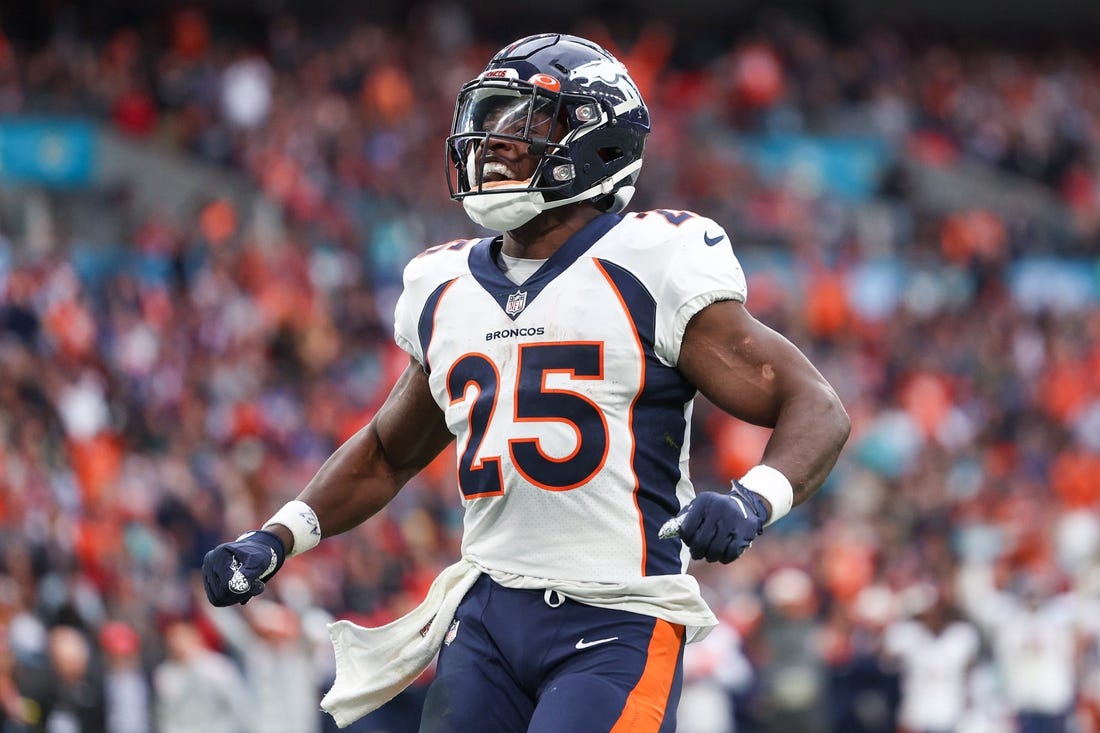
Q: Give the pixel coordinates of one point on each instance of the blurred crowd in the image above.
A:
(161, 394)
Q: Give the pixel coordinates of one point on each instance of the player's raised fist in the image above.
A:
(235, 571)
(719, 527)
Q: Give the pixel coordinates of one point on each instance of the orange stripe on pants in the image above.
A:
(645, 706)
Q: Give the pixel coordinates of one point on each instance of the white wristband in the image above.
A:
(299, 518)
(773, 486)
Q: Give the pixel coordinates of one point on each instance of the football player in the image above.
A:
(563, 356)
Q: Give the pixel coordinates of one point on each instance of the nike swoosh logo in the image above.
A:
(711, 241)
(582, 644)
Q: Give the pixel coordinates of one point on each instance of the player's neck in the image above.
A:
(541, 237)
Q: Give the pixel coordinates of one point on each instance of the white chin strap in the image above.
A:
(503, 210)
(622, 198)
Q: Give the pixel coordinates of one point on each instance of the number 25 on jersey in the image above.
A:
(480, 476)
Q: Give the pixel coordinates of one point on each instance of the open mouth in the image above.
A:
(495, 171)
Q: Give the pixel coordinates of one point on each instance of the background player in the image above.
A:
(564, 355)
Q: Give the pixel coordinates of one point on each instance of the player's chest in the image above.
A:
(577, 306)
(575, 333)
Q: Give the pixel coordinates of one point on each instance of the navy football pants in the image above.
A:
(516, 663)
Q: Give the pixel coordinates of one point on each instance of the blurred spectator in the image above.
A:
(935, 651)
(246, 92)
(13, 713)
(793, 677)
(1037, 634)
(863, 683)
(198, 690)
(66, 694)
(716, 673)
(127, 692)
(278, 661)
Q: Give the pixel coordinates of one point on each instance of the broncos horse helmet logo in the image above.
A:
(611, 74)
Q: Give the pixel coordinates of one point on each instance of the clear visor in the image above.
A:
(507, 113)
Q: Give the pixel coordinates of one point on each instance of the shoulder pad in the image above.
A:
(439, 263)
(674, 225)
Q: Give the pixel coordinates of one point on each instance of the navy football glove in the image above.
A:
(719, 527)
(235, 571)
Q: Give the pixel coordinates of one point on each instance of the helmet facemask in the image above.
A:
(574, 136)
(521, 113)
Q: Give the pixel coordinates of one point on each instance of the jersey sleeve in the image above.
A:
(422, 276)
(701, 270)
(406, 317)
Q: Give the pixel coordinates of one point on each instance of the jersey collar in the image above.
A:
(484, 268)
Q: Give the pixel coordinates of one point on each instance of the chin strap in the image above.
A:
(503, 210)
(621, 199)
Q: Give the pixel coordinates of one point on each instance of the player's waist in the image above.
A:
(674, 598)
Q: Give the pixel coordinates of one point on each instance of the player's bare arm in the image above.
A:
(357, 480)
(368, 470)
(757, 375)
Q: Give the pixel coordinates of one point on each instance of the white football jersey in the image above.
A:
(572, 421)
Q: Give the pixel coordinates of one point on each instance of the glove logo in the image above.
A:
(238, 583)
(271, 566)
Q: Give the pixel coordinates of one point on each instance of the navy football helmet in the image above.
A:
(573, 104)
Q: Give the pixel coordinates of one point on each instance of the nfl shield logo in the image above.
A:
(517, 301)
(451, 633)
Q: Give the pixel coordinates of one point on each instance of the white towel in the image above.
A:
(375, 664)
